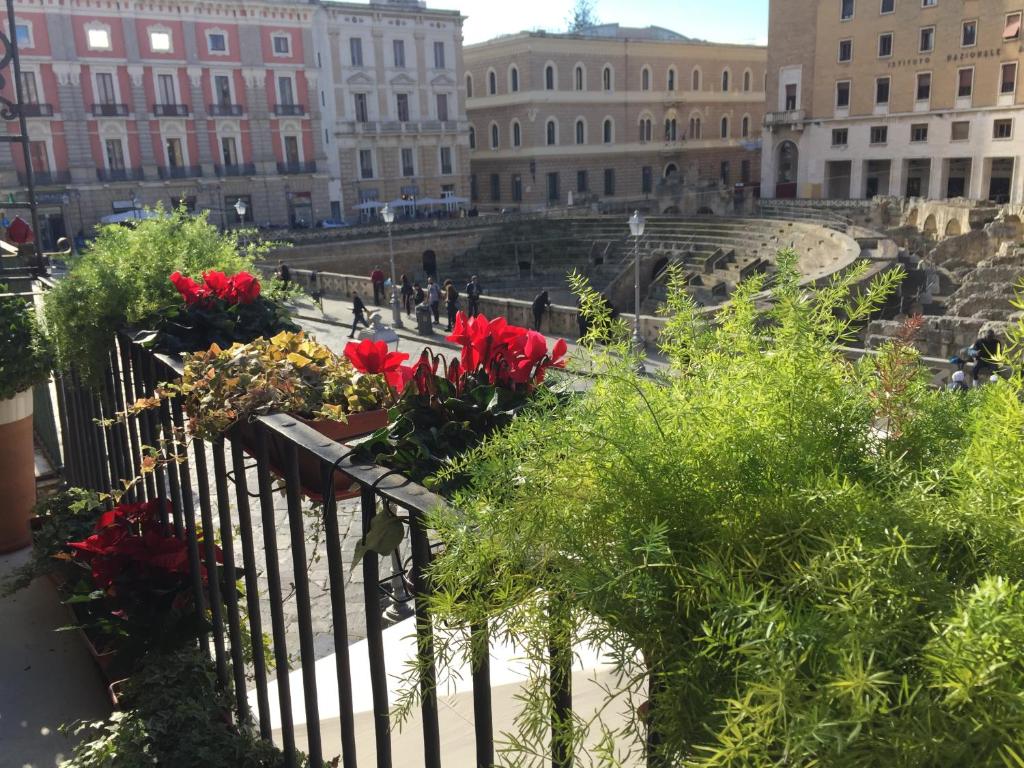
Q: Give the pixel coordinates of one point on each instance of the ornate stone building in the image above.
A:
(915, 98)
(612, 114)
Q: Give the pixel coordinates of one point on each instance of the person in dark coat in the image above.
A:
(473, 291)
(283, 273)
(377, 278)
(407, 295)
(540, 303)
(358, 314)
(984, 352)
(314, 289)
(451, 302)
(418, 296)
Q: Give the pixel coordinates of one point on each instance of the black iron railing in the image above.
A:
(110, 110)
(225, 110)
(179, 171)
(120, 174)
(236, 169)
(35, 109)
(238, 511)
(309, 166)
(46, 178)
(170, 110)
(289, 110)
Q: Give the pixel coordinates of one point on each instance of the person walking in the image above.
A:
(377, 278)
(434, 299)
(540, 303)
(358, 314)
(473, 291)
(407, 295)
(451, 302)
(314, 290)
(284, 274)
(418, 295)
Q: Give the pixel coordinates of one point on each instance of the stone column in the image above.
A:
(200, 120)
(379, 73)
(138, 105)
(70, 103)
(857, 179)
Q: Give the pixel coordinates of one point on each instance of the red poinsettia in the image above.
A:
(242, 288)
(373, 357)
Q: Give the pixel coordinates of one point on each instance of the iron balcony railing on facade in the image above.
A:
(110, 110)
(33, 109)
(120, 174)
(292, 167)
(170, 110)
(46, 178)
(180, 171)
(225, 110)
(289, 110)
(238, 169)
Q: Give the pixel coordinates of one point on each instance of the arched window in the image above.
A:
(745, 127)
(695, 80)
(725, 127)
(725, 80)
(469, 86)
(746, 80)
(517, 135)
(645, 80)
(670, 129)
(579, 78)
(606, 131)
(695, 131)
(513, 79)
(472, 137)
(606, 78)
(552, 137)
(494, 136)
(671, 79)
(492, 83)
(645, 129)
(549, 77)
(581, 132)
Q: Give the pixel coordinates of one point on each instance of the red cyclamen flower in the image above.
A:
(189, 289)
(373, 357)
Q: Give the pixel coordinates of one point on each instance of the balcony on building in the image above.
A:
(170, 110)
(294, 166)
(37, 110)
(788, 117)
(289, 110)
(110, 110)
(45, 178)
(180, 171)
(225, 110)
(235, 169)
(120, 174)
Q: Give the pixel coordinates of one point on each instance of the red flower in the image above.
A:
(373, 357)
(245, 288)
(218, 284)
(189, 289)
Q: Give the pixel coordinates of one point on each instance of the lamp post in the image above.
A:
(241, 209)
(135, 207)
(636, 228)
(388, 214)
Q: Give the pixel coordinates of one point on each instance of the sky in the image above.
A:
(725, 21)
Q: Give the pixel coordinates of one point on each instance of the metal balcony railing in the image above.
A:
(239, 169)
(45, 178)
(225, 110)
(120, 174)
(36, 110)
(170, 110)
(309, 166)
(180, 171)
(289, 110)
(110, 110)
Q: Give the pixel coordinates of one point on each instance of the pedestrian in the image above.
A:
(984, 352)
(407, 295)
(959, 382)
(358, 313)
(314, 290)
(473, 291)
(377, 278)
(451, 302)
(284, 274)
(418, 295)
(540, 303)
(434, 298)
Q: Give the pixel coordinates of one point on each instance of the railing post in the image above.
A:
(374, 637)
(560, 673)
(210, 558)
(483, 719)
(425, 639)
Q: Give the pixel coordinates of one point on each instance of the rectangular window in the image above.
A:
(115, 154)
(888, 6)
(582, 182)
(554, 187)
(439, 56)
(355, 49)
(647, 179)
(408, 168)
(1002, 129)
(845, 10)
(723, 171)
(929, 3)
(446, 161)
(442, 107)
(885, 45)
(882, 91)
(1011, 31)
(40, 158)
(105, 88)
(291, 150)
(960, 131)
(362, 115)
(745, 171)
(217, 42)
(175, 157)
(403, 107)
(843, 94)
(97, 39)
(228, 150)
(23, 35)
(609, 181)
(927, 42)
(879, 134)
(845, 50)
(924, 86)
(366, 163)
(222, 90)
(29, 91)
(790, 97)
(517, 188)
(1008, 77)
(285, 92)
(840, 137)
(160, 42)
(165, 89)
(965, 82)
(495, 187)
(919, 132)
(399, 52)
(969, 34)
(282, 45)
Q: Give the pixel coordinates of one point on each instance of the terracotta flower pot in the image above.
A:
(18, 477)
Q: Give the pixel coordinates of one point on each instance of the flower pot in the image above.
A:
(18, 477)
(310, 477)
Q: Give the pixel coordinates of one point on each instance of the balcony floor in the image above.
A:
(46, 678)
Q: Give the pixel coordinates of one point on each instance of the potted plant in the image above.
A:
(25, 361)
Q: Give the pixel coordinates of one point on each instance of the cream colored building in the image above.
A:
(916, 98)
(611, 114)
(393, 105)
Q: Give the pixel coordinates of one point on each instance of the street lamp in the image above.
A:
(636, 228)
(241, 209)
(388, 214)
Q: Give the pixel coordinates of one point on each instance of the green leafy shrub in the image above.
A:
(122, 280)
(25, 354)
(818, 563)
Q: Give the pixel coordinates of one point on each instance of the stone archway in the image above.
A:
(786, 169)
(671, 171)
(953, 228)
(705, 211)
(930, 227)
(659, 266)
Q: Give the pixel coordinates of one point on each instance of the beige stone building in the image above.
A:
(916, 98)
(612, 114)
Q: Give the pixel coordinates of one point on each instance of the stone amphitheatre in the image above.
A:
(962, 259)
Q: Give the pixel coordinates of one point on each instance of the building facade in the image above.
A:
(915, 98)
(138, 103)
(394, 107)
(611, 114)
